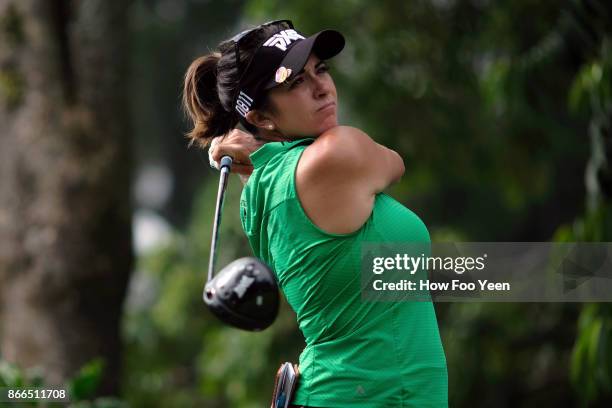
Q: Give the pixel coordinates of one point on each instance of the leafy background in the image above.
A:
(502, 112)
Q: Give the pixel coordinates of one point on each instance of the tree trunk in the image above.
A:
(65, 240)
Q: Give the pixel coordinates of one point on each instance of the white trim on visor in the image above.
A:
(243, 104)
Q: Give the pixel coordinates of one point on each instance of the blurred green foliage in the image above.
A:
(81, 388)
(11, 87)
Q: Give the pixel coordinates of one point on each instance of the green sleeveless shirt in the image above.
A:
(357, 354)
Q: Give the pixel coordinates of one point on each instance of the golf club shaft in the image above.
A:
(225, 167)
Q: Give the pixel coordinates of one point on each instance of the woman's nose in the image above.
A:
(321, 86)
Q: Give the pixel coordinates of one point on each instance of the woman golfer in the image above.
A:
(313, 193)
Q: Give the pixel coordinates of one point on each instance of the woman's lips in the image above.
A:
(327, 106)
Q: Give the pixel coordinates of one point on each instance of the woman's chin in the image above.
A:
(319, 128)
(327, 124)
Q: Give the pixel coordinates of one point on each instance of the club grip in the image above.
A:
(226, 161)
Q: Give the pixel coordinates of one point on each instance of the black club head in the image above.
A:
(244, 294)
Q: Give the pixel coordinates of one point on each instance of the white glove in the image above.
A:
(213, 163)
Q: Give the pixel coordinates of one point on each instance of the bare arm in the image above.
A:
(392, 168)
(357, 159)
(339, 175)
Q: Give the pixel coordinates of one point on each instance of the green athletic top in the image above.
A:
(358, 354)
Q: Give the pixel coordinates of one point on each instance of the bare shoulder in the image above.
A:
(337, 147)
(339, 152)
(328, 181)
(343, 134)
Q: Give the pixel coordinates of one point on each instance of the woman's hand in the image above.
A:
(238, 145)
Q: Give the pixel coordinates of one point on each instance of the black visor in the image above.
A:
(279, 58)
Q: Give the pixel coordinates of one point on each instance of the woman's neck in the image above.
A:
(272, 136)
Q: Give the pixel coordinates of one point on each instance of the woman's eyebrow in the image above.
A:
(316, 66)
(288, 83)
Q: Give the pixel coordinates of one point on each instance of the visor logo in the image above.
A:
(281, 74)
(281, 40)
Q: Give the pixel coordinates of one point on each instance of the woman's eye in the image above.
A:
(296, 82)
(322, 69)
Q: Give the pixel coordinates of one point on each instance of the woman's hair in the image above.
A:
(211, 85)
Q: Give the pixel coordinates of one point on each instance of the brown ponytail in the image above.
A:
(211, 85)
(201, 102)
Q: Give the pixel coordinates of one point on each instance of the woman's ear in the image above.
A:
(260, 120)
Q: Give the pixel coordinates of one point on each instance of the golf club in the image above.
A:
(244, 294)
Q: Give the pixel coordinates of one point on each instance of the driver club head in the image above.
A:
(244, 294)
